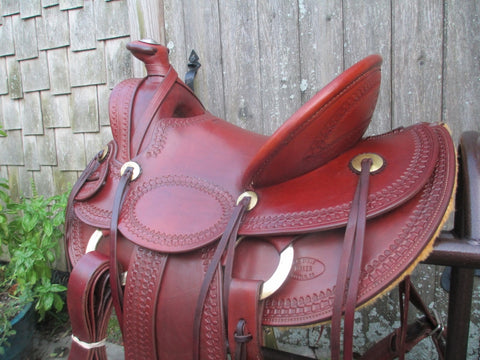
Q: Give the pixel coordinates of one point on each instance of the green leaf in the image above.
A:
(48, 228)
(57, 288)
(30, 221)
(58, 303)
(49, 298)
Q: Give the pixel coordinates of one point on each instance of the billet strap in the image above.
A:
(404, 339)
(346, 289)
(89, 170)
(89, 305)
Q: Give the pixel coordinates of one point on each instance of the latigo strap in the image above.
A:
(89, 304)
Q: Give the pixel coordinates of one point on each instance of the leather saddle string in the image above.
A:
(229, 236)
(241, 337)
(152, 108)
(346, 288)
(403, 298)
(89, 170)
(115, 282)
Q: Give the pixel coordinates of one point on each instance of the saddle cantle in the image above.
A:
(206, 232)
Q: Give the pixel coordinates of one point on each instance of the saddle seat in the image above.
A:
(189, 169)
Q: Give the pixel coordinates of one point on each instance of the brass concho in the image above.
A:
(253, 199)
(103, 154)
(377, 162)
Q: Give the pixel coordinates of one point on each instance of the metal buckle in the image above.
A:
(280, 275)
(438, 331)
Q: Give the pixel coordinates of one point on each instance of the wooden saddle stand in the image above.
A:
(203, 236)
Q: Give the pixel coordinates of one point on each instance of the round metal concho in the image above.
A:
(253, 199)
(377, 162)
(104, 153)
(136, 169)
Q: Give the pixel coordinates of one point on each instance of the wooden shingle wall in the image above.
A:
(59, 59)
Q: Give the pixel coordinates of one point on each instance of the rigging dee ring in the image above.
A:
(92, 246)
(269, 287)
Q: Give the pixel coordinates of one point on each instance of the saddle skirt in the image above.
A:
(189, 169)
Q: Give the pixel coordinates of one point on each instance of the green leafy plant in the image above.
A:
(34, 233)
(4, 201)
(31, 230)
(10, 306)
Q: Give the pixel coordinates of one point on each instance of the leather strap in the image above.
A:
(348, 279)
(89, 305)
(115, 281)
(403, 339)
(230, 235)
(403, 298)
(244, 319)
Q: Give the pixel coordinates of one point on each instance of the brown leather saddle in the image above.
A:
(202, 234)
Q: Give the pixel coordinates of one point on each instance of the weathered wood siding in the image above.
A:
(59, 59)
(261, 60)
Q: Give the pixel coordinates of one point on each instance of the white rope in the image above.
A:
(89, 346)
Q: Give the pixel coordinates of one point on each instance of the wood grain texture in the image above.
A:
(417, 62)
(367, 30)
(461, 108)
(241, 64)
(279, 62)
(321, 44)
(202, 33)
(146, 20)
(175, 36)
